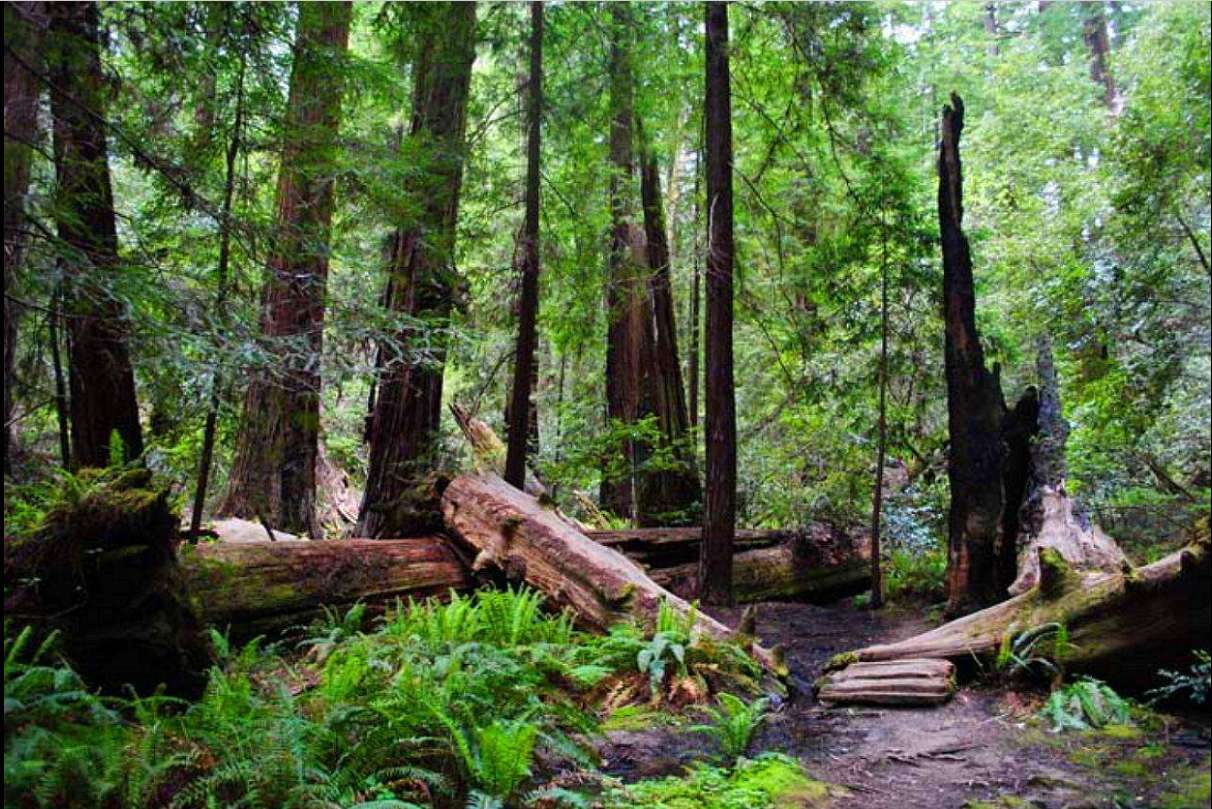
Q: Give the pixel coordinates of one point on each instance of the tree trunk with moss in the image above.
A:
(103, 571)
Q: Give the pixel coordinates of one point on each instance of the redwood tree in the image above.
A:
(404, 423)
(520, 416)
(22, 33)
(102, 381)
(975, 406)
(719, 514)
(667, 496)
(274, 471)
(629, 328)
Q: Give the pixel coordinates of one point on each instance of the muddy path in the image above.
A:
(978, 750)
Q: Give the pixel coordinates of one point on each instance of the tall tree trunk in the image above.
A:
(404, 425)
(626, 297)
(55, 336)
(23, 24)
(667, 496)
(524, 360)
(274, 471)
(877, 498)
(719, 516)
(696, 327)
(102, 380)
(1094, 32)
(991, 47)
(974, 400)
(216, 382)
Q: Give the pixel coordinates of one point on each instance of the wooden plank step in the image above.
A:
(901, 682)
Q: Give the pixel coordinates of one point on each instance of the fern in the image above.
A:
(734, 723)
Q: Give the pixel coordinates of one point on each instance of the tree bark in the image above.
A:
(627, 304)
(819, 566)
(23, 26)
(974, 400)
(666, 496)
(404, 425)
(1122, 626)
(524, 360)
(513, 532)
(274, 470)
(263, 587)
(1049, 517)
(719, 516)
(102, 380)
(877, 495)
(1094, 33)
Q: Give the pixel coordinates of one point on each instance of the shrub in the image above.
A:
(734, 723)
(1084, 704)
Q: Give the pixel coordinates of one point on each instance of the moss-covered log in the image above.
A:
(516, 533)
(819, 566)
(103, 572)
(1121, 626)
(262, 587)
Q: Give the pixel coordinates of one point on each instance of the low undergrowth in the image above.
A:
(473, 702)
(770, 781)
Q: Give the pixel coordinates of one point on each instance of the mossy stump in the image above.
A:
(102, 570)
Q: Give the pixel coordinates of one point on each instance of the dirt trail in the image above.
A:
(978, 750)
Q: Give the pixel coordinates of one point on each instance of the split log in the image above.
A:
(263, 587)
(516, 533)
(818, 569)
(903, 682)
(1121, 626)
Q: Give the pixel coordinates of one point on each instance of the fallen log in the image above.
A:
(903, 682)
(794, 570)
(514, 532)
(263, 587)
(1121, 626)
(667, 547)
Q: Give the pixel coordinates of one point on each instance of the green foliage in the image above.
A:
(1195, 683)
(1034, 651)
(769, 781)
(441, 702)
(918, 575)
(733, 723)
(1085, 704)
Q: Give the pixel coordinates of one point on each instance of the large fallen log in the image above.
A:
(667, 547)
(263, 587)
(514, 532)
(797, 569)
(1121, 626)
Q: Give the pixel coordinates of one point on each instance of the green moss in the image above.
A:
(1190, 788)
(1001, 802)
(1123, 732)
(771, 781)
(841, 661)
(1132, 769)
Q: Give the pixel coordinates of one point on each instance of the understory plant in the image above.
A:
(442, 704)
(1084, 704)
(1195, 683)
(733, 723)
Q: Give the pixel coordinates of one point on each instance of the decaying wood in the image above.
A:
(514, 532)
(1050, 517)
(488, 449)
(902, 682)
(260, 587)
(1122, 626)
(818, 569)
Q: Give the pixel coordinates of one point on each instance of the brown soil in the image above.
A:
(981, 746)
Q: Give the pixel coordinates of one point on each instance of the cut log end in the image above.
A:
(909, 682)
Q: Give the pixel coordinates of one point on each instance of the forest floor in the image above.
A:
(980, 750)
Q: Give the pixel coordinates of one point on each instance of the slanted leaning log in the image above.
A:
(1121, 626)
(514, 532)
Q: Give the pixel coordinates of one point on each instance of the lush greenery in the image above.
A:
(440, 703)
(1087, 224)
